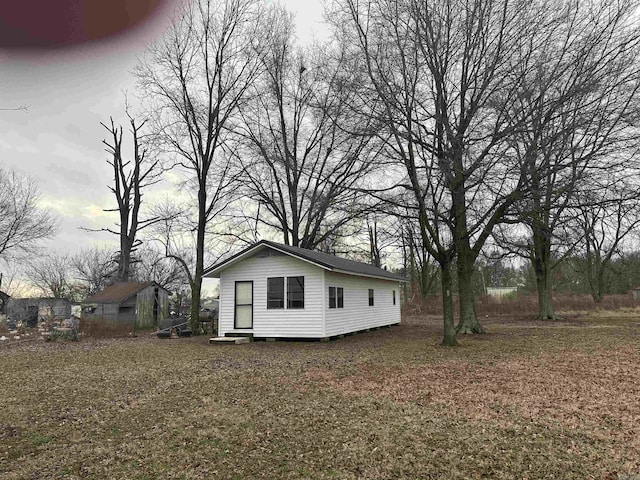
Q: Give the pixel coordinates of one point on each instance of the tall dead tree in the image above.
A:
(130, 178)
(195, 80)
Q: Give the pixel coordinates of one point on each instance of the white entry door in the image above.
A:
(243, 317)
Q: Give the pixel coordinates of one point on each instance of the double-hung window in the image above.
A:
(278, 296)
(295, 292)
(275, 292)
(371, 297)
(336, 297)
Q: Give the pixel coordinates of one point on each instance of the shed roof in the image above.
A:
(119, 292)
(320, 259)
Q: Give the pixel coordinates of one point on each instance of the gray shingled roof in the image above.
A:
(325, 260)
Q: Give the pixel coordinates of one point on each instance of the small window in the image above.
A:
(394, 297)
(295, 292)
(371, 297)
(336, 297)
(275, 292)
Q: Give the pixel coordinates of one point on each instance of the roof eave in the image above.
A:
(214, 271)
(379, 277)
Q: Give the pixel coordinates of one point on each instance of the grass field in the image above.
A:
(529, 400)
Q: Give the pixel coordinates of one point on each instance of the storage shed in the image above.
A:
(146, 303)
(270, 290)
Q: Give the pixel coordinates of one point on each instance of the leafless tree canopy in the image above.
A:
(303, 154)
(96, 268)
(478, 98)
(130, 179)
(23, 223)
(194, 80)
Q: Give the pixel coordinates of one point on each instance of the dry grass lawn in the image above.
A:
(529, 400)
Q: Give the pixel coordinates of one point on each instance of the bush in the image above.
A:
(105, 329)
(71, 334)
(521, 304)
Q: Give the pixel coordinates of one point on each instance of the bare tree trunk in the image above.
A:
(196, 284)
(541, 260)
(545, 304)
(124, 258)
(468, 319)
(449, 338)
(466, 260)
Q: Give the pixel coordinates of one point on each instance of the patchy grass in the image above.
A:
(528, 400)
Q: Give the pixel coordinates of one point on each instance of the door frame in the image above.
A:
(235, 305)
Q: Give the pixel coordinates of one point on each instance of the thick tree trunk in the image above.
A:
(468, 319)
(124, 262)
(541, 260)
(466, 259)
(543, 284)
(449, 337)
(196, 286)
(596, 280)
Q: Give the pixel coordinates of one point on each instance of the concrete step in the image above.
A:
(230, 340)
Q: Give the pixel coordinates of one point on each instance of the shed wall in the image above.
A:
(357, 314)
(292, 323)
(144, 307)
(104, 311)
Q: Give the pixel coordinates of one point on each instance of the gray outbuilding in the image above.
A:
(143, 304)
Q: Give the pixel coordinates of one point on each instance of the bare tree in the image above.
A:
(194, 81)
(130, 179)
(302, 160)
(604, 218)
(418, 264)
(155, 266)
(51, 273)
(23, 223)
(441, 80)
(578, 105)
(95, 268)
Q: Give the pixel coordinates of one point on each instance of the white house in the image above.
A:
(270, 290)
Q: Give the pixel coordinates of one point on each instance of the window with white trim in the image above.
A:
(295, 292)
(336, 297)
(275, 292)
(278, 296)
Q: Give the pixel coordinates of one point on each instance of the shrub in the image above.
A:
(105, 329)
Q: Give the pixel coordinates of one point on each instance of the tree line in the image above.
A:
(447, 132)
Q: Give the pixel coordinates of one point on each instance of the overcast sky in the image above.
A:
(69, 92)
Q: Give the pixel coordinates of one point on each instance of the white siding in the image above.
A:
(307, 322)
(357, 314)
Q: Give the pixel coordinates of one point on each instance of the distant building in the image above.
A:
(30, 311)
(145, 303)
(502, 292)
